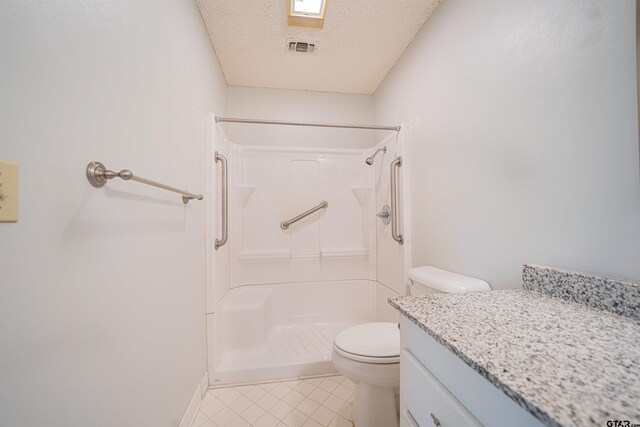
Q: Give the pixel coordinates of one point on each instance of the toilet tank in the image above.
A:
(432, 280)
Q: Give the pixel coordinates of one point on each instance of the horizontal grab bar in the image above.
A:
(285, 224)
(98, 175)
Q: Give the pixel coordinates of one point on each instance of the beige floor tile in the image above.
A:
(312, 423)
(280, 391)
(323, 416)
(267, 401)
(240, 404)
(293, 398)
(208, 397)
(341, 422)
(267, 420)
(201, 418)
(343, 392)
(280, 410)
(346, 411)
(295, 419)
(224, 417)
(229, 396)
(252, 413)
(268, 386)
(238, 422)
(315, 381)
(217, 392)
(318, 395)
(304, 388)
(255, 394)
(333, 403)
(328, 385)
(244, 388)
(310, 402)
(213, 407)
(307, 406)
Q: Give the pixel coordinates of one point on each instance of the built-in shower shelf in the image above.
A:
(302, 257)
(363, 194)
(328, 253)
(263, 255)
(345, 253)
(243, 193)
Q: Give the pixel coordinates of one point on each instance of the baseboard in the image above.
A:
(194, 405)
(204, 384)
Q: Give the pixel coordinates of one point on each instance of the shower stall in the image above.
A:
(299, 247)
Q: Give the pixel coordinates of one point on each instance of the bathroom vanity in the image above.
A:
(563, 351)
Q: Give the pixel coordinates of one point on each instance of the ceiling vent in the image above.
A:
(301, 47)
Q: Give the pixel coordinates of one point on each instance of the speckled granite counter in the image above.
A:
(566, 363)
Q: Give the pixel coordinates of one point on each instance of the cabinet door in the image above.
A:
(407, 420)
(428, 401)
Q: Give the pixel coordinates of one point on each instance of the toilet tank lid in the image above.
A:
(446, 281)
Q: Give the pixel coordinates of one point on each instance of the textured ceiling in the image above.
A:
(360, 42)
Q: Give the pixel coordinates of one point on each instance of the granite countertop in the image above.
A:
(566, 363)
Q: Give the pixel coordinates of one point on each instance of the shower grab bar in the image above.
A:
(285, 224)
(395, 167)
(224, 188)
(98, 175)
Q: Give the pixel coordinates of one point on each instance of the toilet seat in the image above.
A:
(377, 342)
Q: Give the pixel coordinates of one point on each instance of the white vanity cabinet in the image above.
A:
(437, 389)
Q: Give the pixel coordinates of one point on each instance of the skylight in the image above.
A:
(306, 13)
(307, 7)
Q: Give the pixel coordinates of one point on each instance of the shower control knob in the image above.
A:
(385, 214)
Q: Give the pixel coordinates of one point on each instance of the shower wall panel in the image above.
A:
(304, 236)
(218, 262)
(274, 184)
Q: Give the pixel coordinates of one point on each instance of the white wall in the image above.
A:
(102, 290)
(300, 106)
(524, 131)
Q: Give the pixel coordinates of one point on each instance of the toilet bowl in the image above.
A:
(369, 354)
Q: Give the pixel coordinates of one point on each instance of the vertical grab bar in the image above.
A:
(224, 188)
(395, 166)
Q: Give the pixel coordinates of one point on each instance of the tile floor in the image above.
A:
(314, 402)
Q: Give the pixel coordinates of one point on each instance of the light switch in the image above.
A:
(8, 191)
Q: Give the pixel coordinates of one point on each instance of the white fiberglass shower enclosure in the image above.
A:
(276, 296)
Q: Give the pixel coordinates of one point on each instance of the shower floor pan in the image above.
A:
(273, 332)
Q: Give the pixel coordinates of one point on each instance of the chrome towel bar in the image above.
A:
(98, 175)
(285, 224)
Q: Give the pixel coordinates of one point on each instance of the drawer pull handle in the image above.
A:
(436, 421)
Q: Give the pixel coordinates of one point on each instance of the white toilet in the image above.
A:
(369, 354)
